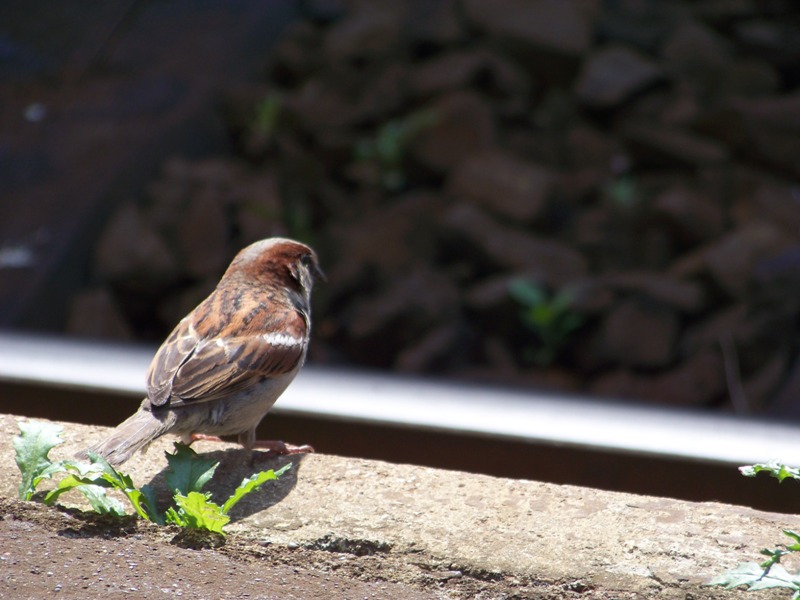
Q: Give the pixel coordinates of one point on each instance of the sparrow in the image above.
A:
(227, 362)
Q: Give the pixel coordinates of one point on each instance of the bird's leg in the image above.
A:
(275, 448)
(197, 437)
(249, 441)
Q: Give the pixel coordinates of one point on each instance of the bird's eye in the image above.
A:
(305, 260)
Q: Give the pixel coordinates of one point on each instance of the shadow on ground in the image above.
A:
(235, 465)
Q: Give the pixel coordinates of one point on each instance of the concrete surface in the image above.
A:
(474, 523)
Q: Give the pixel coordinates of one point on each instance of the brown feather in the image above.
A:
(225, 364)
(220, 348)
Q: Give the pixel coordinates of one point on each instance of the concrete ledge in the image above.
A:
(477, 524)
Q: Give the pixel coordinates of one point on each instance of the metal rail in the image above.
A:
(433, 405)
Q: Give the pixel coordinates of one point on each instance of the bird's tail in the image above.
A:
(132, 435)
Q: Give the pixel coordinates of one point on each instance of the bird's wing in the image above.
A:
(191, 368)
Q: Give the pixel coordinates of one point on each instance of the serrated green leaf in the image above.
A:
(796, 537)
(70, 482)
(48, 472)
(775, 469)
(82, 468)
(124, 483)
(778, 577)
(526, 292)
(102, 502)
(743, 574)
(32, 447)
(251, 484)
(148, 500)
(774, 557)
(755, 577)
(140, 504)
(197, 511)
(187, 471)
(173, 517)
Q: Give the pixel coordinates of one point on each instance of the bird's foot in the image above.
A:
(274, 449)
(201, 437)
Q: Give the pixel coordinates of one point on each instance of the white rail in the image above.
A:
(434, 405)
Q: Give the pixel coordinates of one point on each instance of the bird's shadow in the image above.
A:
(235, 465)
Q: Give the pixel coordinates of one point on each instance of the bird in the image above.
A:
(226, 363)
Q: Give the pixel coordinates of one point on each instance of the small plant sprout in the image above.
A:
(266, 114)
(549, 316)
(32, 449)
(262, 123)
(768, 573)
(622, 190)
(389, 147)
(186, 476)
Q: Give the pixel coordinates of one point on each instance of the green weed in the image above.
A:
(549, 316)
(390, 144)
(769, 573)
(186, 476)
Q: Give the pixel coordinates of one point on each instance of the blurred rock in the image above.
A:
(553, 262)
(786, 402)
(759, 387)
(434, 347)
(694, 215)
(639, 334)
(176, 306)
(773, 39)
(259, 208)
(638, 24)
(589, 146)
(130, 248)
(662, 147)
(677, 108)
(779, 276)
(436, 22)
(682, 295)
(386, 93)
(492, 306)
(371, 32)
(591, 296)
(465, 68)
(724, 11)
(534, 25)
(696, 54)
(489, 293)
(730, 259)
(750, 77)
(696, 382)
(202, 236)
(324, 10)
(503, 184)
(771, 128)
(320, 104)
(708, 333)
(94, 313)
(464, 125)
(641, 156)
(612, 75)
(780, 204)
(500, 357)
(446, 72)
(386, 240)
(297, 53)
(423, 298)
